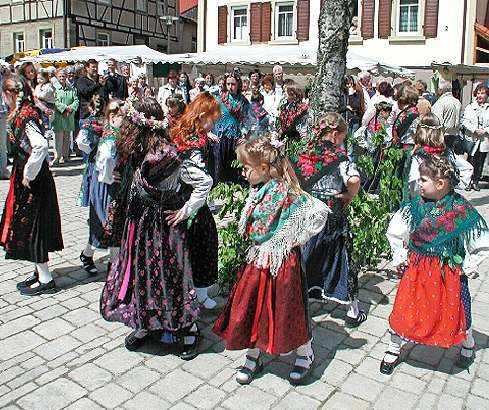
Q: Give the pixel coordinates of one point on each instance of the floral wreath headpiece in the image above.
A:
(325, 124)
(139, 118)
(383, 106)
(431, 127)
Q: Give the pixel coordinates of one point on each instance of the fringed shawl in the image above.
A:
(275, 218)
(442, 228)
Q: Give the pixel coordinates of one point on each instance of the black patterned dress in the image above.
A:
(150, 285)
(31, 224)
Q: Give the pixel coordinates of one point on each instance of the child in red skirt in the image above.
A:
(432, 305)
(268, 306)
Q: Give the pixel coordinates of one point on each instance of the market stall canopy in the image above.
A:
(290, 56)
(126, 54)
(461, 70)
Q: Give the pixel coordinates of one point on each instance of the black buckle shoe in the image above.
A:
(302, 372)
(464, 362)
(191, 350)
(132, 342)
(28, 282)
(388, 368)
(88, 264)
(248, 374)
(351, 322)
(43, 288)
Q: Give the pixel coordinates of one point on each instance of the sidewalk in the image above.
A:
(56, 352)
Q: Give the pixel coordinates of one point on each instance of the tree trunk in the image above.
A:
(334, 25)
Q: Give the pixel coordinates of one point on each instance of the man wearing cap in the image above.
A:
(198, 88)
(116, 84)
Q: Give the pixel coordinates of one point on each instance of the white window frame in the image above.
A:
(19, 44)
(46, 42)
(103, 39)
(418, 32)
(276, 14)
(142, 5)
(246, 30)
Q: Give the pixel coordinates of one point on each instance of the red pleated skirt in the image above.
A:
(267, 312)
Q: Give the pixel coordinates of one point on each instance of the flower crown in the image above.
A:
(431, 127)
(138, 118)
(383, 106)
(325, 124)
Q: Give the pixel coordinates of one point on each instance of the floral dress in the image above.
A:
(268, 305)
(432, 304)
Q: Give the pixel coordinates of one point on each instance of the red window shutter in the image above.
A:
(368, 12)
(303, 20)
(255, 22)
(431, 18)
(385, 11)
(222, 24)
(266, 22)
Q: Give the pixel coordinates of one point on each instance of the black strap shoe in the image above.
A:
(132, 342)
(42, 288)
(299, 374)
(463, 361)
(191, 350)
(28, 282)
(245, 375)
(88, 264)
(388, 368)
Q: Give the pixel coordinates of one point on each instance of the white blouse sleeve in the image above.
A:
(478, 249)
(105, 164)
(398, 237)
(192, 172)
(83, 141)
(39, 151)
(314, 222)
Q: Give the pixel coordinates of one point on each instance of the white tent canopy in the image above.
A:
(126, 54)
(290, 56)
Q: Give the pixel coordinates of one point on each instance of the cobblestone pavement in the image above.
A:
(56, 352)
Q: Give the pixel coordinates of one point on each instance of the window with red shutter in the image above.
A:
(303, 20)
(431, 18)
(222, 24)
(368, 12)
(385, 12)
(266, 22)
(255, 22)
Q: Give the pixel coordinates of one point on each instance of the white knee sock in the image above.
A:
(353, 310)
(188, 340)
(255, 354)
(89, 250)
(395, 345)
(468, 343)
(43, 272)
(113, 254)
(140, 334)
(203, 297)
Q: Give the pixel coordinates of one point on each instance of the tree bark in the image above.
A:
(334, 30)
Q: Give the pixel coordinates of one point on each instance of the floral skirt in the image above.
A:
(270, 313)
(428, 308)
(150, 285)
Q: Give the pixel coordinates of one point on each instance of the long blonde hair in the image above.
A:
(259, 150)
(429, 131)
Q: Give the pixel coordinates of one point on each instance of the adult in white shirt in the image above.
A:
(365, 81)
(278, 77)
(168, 89)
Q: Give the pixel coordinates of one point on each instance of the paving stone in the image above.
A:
(342, 401)
(50, 312)
(391, 397)
(53, 329)
(206, 365)
(19, 343)
(90, 376)
(15, 394)
(88, 333)
(118, 361)
(176, 385)
(26, 377)
(53, 396)
(138, 379)
(147, 401)
(51, 375)
(10, 374)
(249, 397)
(480, 388)
(294, 401)
(80, 316)
(205, 397)
(369, 390)
(57, 347)
(449, 402)
(407, 383)
(18, 325)
(110, 395)
(84, 404)
(12, 312)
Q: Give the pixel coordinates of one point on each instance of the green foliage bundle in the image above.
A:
(233, 245)
(369, 214)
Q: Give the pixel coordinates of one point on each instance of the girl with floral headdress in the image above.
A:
(150, 286)
(268, 306)
(325, 171)
(91, 129)
(190, 138)
(429, 141)
(430, 237)
(31, 225)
